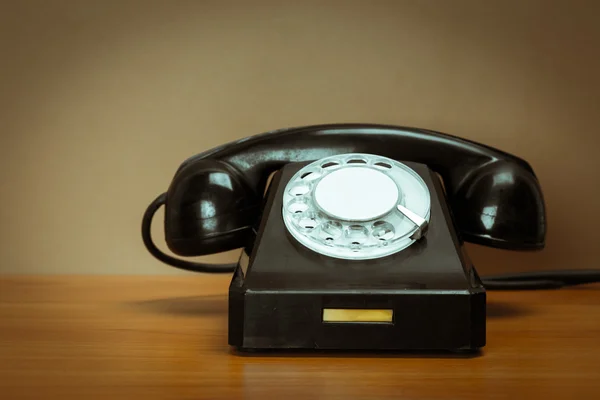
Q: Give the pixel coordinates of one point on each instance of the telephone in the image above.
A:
(351, 234)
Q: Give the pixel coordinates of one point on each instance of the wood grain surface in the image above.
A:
(116, 337)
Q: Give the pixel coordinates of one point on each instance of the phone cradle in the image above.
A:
(426, 296)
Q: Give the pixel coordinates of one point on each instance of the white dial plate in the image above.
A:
(356, 194)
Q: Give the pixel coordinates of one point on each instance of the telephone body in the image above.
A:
(327, 265)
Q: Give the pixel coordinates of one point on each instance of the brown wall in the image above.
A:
(101, 100)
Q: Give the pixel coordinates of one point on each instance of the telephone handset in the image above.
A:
(215, 197)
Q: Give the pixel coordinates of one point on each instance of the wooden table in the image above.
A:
(166, 338)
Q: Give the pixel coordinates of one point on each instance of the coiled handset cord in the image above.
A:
(514, 281)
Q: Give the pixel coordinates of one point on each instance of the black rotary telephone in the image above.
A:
(350, 239)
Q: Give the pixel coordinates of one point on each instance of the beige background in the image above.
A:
(101, 100)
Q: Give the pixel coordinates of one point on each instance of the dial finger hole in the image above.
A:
(383, 230)
(356, 160)
(357, 233)
(383, 164)
(297, 207)
(299, 190)
(308, 223)
(332, 229)
(310, 176)
(330, 165)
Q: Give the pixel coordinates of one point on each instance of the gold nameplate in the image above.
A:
(357, 315)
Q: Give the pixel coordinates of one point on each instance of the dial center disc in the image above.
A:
(356, 194)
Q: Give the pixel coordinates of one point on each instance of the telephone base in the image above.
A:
(427, 297)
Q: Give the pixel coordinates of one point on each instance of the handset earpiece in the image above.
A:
(501, 204)
(209, 208)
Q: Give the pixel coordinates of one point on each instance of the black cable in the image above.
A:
(172, 261)
(522, 285)
(533, 280)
